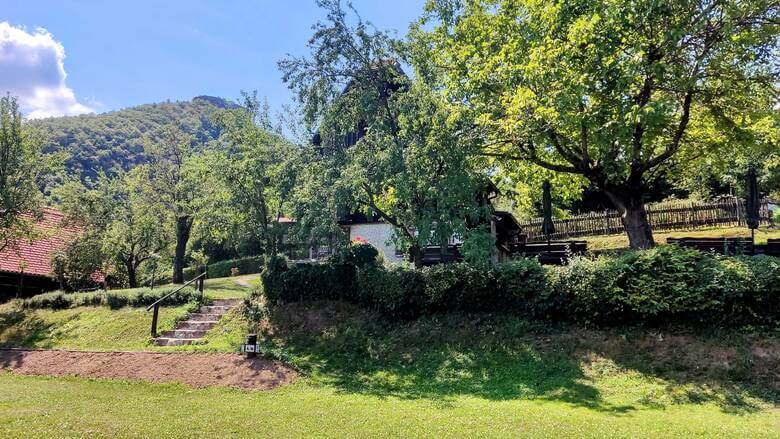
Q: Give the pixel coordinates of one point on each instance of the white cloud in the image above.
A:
(32, 69)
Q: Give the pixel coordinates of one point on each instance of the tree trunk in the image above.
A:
(634, 218)
(132, 277)
(640, 234)
(183, 226)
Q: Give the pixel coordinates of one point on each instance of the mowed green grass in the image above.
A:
(611, 242)
(450, 375)
(49, 407)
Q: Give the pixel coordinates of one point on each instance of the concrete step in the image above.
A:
(227, 302)
(214, 309)
(165, 341)
(204, 317)
(184, 333)
(194, 324)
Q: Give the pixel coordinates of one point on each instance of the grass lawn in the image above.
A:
(47, 407)
(450, 375)
(103, 329)
(610, 242)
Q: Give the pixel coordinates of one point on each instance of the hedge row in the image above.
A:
(247, 265)
(114, 299)
(665, 284)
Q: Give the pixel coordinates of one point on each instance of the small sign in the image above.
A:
(250, 348)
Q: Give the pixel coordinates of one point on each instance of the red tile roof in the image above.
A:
(34, 257)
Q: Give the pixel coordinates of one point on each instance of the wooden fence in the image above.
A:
(664, 216)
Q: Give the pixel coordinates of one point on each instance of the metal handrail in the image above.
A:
(175, 291)
(156, 304)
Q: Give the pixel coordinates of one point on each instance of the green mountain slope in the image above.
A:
(113, 141)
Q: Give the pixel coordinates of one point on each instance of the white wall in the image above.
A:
(379, 235)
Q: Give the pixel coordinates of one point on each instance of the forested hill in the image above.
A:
(114, 140)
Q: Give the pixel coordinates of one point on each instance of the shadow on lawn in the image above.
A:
(492, 357)
(21, 328)
(436, 358)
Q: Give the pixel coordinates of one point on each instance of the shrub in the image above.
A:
(114, 299)
(459, 286)
(272, 277)
(397, 291)
(664, 284)
(358, 255)
(520, 284)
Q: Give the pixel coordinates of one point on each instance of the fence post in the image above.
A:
(154, 320)
(202, 280)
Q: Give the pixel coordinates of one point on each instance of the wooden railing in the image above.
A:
(663, 216)
(156, 305)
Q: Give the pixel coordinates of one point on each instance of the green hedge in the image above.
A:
(665, 284)
(114, 299)
(247, 265)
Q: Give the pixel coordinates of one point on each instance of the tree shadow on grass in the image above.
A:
(494, 357)
(24, 328)
(435, 358)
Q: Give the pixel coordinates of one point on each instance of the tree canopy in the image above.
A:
(605, 89)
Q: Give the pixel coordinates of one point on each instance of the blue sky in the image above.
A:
(120, 54)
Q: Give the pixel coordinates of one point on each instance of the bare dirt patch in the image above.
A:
(194, 369)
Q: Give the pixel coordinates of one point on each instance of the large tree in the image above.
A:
(175, 180)
(21, 167)
(392, 141)
(258, 172)
(126, 227)
(605, 89)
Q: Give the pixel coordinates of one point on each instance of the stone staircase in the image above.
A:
(197, 325)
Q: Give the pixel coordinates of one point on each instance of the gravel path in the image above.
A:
(194, 369)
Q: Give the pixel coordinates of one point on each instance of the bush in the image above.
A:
(396, 291)
(114, 299)
(271, 277)
(664, 284)
(358, 255)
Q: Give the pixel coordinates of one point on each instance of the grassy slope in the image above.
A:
(609, 242)
(100, 328)
(449, 375)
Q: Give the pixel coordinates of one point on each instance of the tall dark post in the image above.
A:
(202, 280)
(753, 205)
(548, 228)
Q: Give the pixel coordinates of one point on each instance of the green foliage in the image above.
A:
(520, 284)
(318, 281)
(667, 284)
(613, 90)
(272, 277)
(22, 168)
(359, 255)
(126, 227)
(114, 299)
(113, 142)
(664, 284)
(77, 262)
(392, 146)
(479, 246)
(397, 291)
(256, 172)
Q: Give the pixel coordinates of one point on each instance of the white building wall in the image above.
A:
(379, 235)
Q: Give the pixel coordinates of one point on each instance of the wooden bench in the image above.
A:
(556, 253)
(725, 246)
(772, 247)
